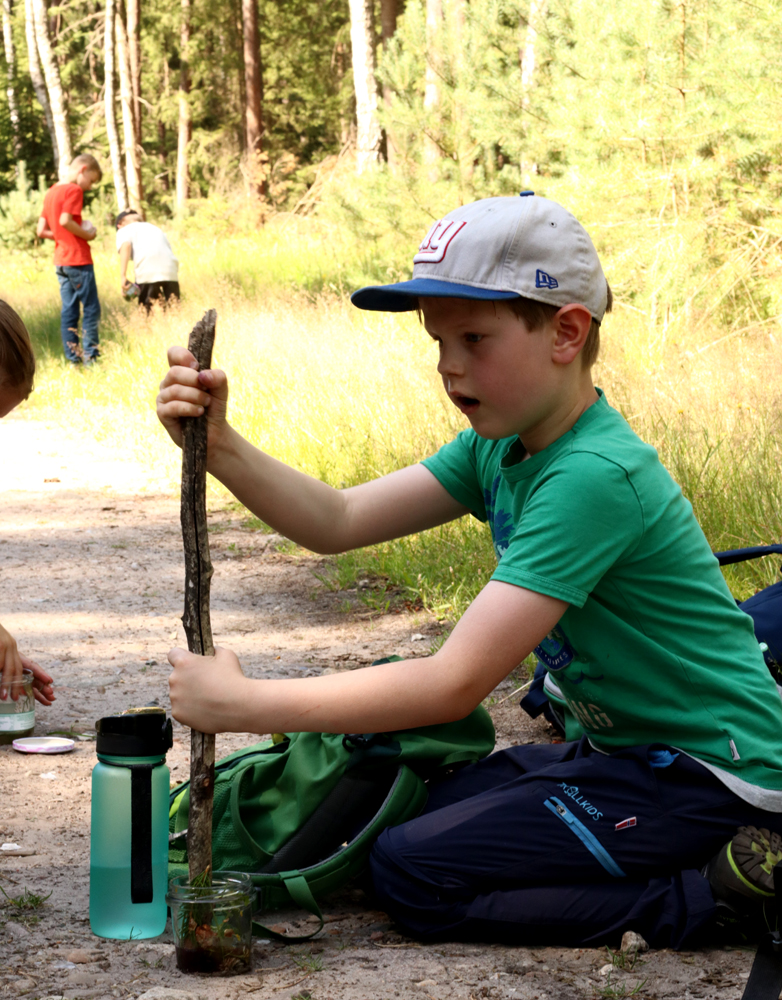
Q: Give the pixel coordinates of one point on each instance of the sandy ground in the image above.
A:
(91, 584)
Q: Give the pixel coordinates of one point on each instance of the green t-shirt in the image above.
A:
(652, 648)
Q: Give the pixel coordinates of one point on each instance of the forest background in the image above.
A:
(296, 150)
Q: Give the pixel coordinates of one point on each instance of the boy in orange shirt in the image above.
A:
(61, 221)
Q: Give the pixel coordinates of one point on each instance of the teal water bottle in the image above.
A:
(129, 826)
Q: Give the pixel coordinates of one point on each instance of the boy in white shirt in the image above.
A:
(156, 269)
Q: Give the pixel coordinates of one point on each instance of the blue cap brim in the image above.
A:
(404, 295)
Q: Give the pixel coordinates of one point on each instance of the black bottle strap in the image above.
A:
(140, 830)
(141, 833)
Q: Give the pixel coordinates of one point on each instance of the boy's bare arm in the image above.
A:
(124, 259)
(66, 221)
(303, 509)
(500, 628)
(42, 230)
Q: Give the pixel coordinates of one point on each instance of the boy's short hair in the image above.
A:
(89, 162)
(17, 361)
(535, 315)
(124, 214)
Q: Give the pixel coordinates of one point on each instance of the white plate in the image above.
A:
(43, 744)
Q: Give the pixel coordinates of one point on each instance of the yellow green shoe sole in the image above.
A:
(752, 856)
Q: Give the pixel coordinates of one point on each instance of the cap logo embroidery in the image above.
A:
(437, 241)
(543, 280)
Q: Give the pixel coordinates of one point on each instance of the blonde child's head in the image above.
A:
(17, 361)
(84, 171)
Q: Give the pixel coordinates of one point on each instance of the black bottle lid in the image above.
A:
(134, 735)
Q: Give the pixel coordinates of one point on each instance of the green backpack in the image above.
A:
(301, 815)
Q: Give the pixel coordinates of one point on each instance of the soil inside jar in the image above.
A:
(233, 960)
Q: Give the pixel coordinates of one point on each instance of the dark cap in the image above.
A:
(134, 735)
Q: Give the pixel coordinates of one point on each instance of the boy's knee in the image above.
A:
(419, 906)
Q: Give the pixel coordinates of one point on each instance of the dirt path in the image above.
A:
(91, 584)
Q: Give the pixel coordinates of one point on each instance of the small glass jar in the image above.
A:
(17, 712)
(213, 923)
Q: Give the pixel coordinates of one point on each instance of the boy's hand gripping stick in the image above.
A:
(198, 628)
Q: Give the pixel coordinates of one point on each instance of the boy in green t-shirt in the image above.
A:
(602, 571)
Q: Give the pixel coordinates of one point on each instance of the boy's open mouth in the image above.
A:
(467, 404)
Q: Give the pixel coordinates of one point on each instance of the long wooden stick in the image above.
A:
(198, 627)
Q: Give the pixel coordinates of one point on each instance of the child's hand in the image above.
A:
(186, 392)
(42, 682)
(11, 663)
(207, 692)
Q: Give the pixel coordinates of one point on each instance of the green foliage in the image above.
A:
(19, 211)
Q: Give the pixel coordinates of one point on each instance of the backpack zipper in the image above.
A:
(587, 838)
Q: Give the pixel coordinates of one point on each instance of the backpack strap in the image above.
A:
(765, 977)
(300, 893)
(247, 841)
(740, 555)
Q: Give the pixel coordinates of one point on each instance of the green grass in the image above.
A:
(24, 907)
(618, 991)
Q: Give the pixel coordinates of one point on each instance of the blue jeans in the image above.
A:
(77, 284)
(563, 845)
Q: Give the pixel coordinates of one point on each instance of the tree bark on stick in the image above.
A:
(198, 628)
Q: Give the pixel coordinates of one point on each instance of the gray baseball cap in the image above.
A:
(500, 248)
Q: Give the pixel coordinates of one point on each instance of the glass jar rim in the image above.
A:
(227, 887)
(26, 678)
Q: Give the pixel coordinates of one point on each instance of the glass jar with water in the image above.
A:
(17, 711)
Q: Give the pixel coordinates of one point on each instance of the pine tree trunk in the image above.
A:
(182, 179)
(51, 75)
(163, 177)
(253, 90)
(109, 99)
(537, 12)
(10, 66)
(464, 144)
(434, 23)
(133, 8)
(162, 134)
(362, 40)
(388, 12)
(132, 172)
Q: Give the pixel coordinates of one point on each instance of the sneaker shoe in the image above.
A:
(742, 873)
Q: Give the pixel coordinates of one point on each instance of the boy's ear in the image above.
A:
(571, 328)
